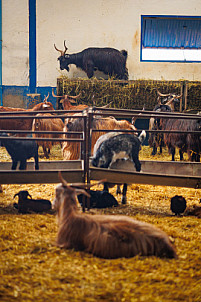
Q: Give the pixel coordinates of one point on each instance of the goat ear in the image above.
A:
(17, 194)
(29, 195)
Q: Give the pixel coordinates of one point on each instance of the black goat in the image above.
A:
(186, 142)
(119, 147)
(108, 60)
(156, 139)
(99, 199)
(26, 205)
(20, 151)
(178, 204)
(167, 104)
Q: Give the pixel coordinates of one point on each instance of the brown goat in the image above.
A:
(22, 124)
(72, 150)
(66, 101)
(105, 236)
(47, 125)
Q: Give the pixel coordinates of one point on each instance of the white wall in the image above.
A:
(15, 36)
(112, 23)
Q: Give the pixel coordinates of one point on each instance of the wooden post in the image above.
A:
(185, 96)
(183, 100)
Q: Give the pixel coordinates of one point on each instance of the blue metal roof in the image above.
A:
(171, 32)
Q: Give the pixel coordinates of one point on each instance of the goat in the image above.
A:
(66, 101)
(119, 147)
(178, 204)
(26, 205)
(194, 210)
(107, 185)
(108, 60)
(22, 124)
(20, 151)
(166, 105)
(72, 150)
(186, 142)
(105, 236)
(47, 125)
(99, 199)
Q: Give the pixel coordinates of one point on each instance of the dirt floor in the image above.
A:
(32, 268)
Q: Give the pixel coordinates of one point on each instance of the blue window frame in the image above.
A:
(171, 38)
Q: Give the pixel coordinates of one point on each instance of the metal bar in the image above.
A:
(11, 117)
(37, 177)
(130, 111)
(146, 178)
(148, 131)
(31, 112)
(41, 139)
(40, 132)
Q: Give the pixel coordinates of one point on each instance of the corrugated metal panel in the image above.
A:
(171, 32)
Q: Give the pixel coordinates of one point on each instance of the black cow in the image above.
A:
(108, 60)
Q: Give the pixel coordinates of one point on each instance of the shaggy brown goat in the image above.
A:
(105, 236)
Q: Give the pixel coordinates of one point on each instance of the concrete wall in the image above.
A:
(112, 23)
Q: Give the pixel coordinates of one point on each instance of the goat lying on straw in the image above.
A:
(105, 236)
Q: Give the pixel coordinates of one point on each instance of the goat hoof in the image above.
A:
(124, 200)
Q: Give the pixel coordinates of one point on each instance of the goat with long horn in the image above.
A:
(105, 236)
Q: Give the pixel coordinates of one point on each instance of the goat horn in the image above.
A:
(46, 97)
(56, 96)
(74, 97)
(61, 51)
(81, 191)
(161, 94)
(106, 106)
(62, 180)
(65, 47)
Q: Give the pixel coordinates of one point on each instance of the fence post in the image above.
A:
(184, 92)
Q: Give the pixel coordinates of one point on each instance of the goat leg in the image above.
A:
(124, 198)
(23, 165)
(14, 165)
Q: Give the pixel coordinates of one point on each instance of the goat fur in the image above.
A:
(105, 236)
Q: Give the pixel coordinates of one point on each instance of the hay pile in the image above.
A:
(127, 94)
(34, 269)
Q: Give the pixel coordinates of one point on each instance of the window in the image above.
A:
(174, 39)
